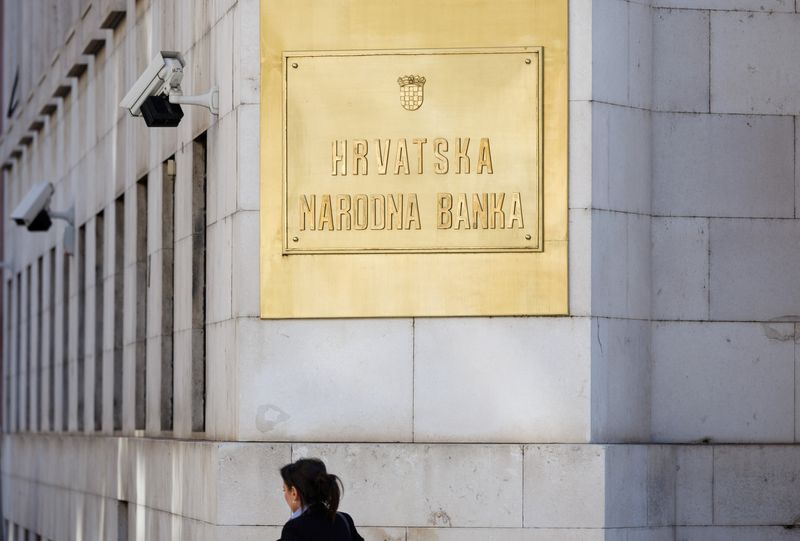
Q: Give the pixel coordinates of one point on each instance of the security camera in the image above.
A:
(157, 94)
(33, 211)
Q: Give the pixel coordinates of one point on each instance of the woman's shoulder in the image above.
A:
(291, 531)
(351, 526)
(314, 524)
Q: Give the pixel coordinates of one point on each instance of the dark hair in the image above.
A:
(314, 484)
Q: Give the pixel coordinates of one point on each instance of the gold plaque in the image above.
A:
(368, 172)
(413, 158)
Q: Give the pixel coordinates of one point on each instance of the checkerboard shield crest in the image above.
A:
(411, 91)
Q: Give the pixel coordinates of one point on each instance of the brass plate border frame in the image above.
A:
(533, 49)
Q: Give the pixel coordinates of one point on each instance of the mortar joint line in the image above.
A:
(413, 378)
(709, 61)
(713, 482)
(523, 485)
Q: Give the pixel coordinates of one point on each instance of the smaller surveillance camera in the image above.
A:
(32, 211)
(157, 94)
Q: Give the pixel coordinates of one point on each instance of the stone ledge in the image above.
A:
(463, 486)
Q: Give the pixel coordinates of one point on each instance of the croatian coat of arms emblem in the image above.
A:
(411, 91)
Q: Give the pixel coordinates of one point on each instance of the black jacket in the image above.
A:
(314, 525)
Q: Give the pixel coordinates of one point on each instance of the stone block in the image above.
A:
(680, 67)
(182, 358)
(610, 51)
(620, 265)
(756, 486)
(661, 479)
(731, 5)
(60, 386)
(640, 55)
(506, 534)
(325, 380)
(183, 193)
(47, 504)
(247, 157)
(629, 470)
(155, 210)
(222, 401)
(250, 487)
(382, 534)
(128, 387)
(580, 154)
(621, 164)
(639, 534)
(723, 165)
(580, 46)
(580, 262)
(72, 413)
(247, 54)
(694, 485)
(132, 298)
(182, 299)
(155, 294)
(680, 268)
(501, 379)
(727, 382)
(750, 270)
(797, 165)
(585, 486)
(248, 533)
(222, 54)
(221, 168)
(749, 55)
(153, 385)
(737, 533)
(146, 523)
(138, 150)
(246, 283)
(620, 380)
(456, 485)
(219, 277)
(179, 485)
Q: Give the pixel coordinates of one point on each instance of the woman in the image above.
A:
(313, 496)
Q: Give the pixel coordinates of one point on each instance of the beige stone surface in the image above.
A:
(746, 57)
(565, 486)
(680, 268)
(325, 380)
(723, 165)
(756, 485)
(621, 158)
(723, 382)
(500, 379)
(681, 74)
(450, 485)
(620, 380)
(753, 284)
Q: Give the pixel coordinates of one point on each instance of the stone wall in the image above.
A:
(646, 414)
(725, 227)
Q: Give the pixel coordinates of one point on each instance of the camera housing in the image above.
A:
(163, 75)
(157, 94)
(158, 112)
(32, 211)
